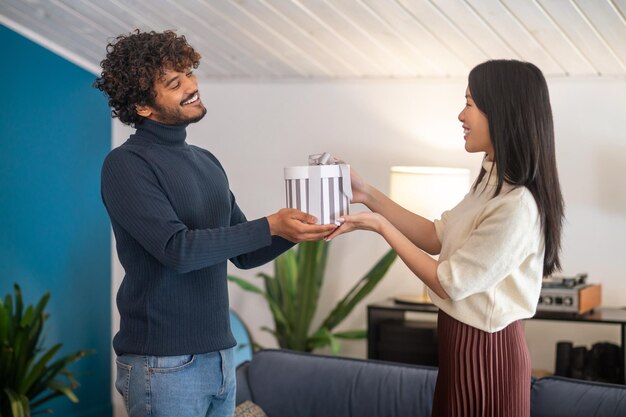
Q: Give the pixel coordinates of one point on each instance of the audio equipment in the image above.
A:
(569, 295)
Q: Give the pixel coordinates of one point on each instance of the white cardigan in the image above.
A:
(491, 260)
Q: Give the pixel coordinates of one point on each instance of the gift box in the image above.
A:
(322, 188)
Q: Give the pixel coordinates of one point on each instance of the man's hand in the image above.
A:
(297, 226)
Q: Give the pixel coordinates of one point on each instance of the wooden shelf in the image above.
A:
(391, 310)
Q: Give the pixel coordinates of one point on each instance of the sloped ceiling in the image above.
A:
(343, 39)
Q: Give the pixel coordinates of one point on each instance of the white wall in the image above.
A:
(257, 129)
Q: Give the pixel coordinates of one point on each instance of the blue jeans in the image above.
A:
(188, 386)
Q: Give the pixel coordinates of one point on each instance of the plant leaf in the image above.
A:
(67, 391)
(360, 290)
(37, 370)
(20, 347)
(312, 258)
(42, 400)
(54, 369)
(27, 319)
(351, 334)
(286, 275)
(41, 305)
(4, 323)
(293, 295)
(19, 304)
(283, 325)
(323, 338)
(279, 318)
(19, 403)
(245, 285)
(272, 288)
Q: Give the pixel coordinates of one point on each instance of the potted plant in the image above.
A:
(292, 295)
(28, 379)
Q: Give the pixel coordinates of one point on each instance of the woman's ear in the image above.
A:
(143, 111)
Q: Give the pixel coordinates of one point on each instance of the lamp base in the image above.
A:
(412, 298)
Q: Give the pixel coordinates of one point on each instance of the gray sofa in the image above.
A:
(293, 384)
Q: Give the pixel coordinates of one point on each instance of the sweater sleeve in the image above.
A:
(500, 243)
(136, 201)
(259, 256)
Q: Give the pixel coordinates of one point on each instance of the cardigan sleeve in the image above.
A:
(504, 237)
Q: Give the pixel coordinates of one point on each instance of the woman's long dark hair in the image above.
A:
(514, 97)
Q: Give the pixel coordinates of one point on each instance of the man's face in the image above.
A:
(177, 99)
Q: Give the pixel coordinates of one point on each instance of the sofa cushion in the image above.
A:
(287, 384)
(565, 397)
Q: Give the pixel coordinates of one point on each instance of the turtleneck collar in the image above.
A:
(172, 135)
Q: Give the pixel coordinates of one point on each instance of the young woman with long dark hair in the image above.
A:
(494, 247)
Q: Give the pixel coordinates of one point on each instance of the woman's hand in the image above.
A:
(360, 192)
(422, 265)
(362, 221)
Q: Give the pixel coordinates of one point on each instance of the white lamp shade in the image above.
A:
(428, 191)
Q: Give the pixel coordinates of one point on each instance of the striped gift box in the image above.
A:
(321, 190)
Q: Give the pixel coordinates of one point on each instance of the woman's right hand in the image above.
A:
(360, 188)
(373, 222)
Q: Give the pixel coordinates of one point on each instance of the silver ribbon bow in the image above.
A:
(324, 159)
(327, 159)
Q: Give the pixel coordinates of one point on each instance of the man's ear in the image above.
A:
(143, 111)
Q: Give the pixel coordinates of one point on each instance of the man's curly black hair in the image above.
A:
(134, 62)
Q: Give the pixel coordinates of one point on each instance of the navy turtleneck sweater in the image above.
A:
(176, 223)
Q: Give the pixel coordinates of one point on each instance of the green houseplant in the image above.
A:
(292, 295)
(28, 379)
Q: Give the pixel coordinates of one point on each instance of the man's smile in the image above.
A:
(191, 99)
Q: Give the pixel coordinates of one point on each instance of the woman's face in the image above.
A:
(475, 128)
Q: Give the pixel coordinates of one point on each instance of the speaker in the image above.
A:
(563, 358)
(600, 363)
(579, 362)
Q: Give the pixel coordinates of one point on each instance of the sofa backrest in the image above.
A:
(288, 384)
(564, 397)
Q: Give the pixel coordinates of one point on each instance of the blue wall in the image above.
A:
(55, 130)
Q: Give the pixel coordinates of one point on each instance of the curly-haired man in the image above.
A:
(176, 223)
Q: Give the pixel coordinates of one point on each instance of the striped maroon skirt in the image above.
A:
(481, 374)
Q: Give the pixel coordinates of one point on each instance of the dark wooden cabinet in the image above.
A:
(391, 336)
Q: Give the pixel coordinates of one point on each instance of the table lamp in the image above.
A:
(427, 191)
